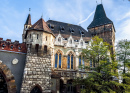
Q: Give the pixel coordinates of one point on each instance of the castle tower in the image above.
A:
(27, 25)
(102, 26)
(37, 73)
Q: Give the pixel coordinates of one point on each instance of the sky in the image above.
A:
(13, 14)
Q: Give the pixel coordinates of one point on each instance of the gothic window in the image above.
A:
(82, 87)
(90, 63)
(70, 61)
(45, 49)
(70, 87)
(81, 60)
(36, 89)
(58, 61)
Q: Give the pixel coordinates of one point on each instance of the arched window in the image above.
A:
(11, 47)
(59, 39)
(36, 89)
(3, 45)
(70, 61)
(81, 60)
(45, 49)
(58, 61)
(70, 41)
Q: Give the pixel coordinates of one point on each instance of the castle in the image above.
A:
(48, 59)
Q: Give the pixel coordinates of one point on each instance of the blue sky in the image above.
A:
(13, 14)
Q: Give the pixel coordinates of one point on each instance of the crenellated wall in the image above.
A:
(12, 46)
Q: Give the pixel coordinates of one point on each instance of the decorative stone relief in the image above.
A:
(15, 61)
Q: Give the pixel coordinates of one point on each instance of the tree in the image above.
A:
(123, 53)
(123, 56)
(101, 79)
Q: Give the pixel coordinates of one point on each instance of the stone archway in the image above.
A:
(36, 89)
(7, 78)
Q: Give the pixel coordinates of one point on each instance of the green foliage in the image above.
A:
(104, 69)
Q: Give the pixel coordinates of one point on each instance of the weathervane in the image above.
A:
(29, 10)
(96, 1)
(42, 15)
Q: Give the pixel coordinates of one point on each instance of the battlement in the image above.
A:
(12, 46)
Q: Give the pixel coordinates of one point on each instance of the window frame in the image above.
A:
(70, 61)
(59, 60)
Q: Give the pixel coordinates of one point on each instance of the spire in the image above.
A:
(100, 17)
(28, 21)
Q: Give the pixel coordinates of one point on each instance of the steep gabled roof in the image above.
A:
(41, 25)
(28, 21)
(100, 17)
(66, 32)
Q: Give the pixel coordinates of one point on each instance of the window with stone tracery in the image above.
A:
(81, 60)
(70, 61)
(58, 61)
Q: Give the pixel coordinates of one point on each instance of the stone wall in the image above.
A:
(37, 72)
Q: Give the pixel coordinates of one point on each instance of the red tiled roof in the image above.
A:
(41, 25)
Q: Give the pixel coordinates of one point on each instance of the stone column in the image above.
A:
(77, 63)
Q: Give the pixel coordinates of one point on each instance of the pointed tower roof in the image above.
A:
(100, 17)
(28, 21)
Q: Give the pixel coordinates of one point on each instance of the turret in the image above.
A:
(27, 25)
(39, 38)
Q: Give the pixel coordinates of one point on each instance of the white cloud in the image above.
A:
(123, 31)
(87, 17)
(124, 16)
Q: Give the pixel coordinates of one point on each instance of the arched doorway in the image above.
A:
(3, 84)
(7, 80)
(36, 89)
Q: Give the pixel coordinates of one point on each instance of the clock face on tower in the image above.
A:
(15, 61)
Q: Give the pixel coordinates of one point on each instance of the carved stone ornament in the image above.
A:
(15, 61)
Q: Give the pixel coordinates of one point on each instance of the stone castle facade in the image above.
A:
(48, 59)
